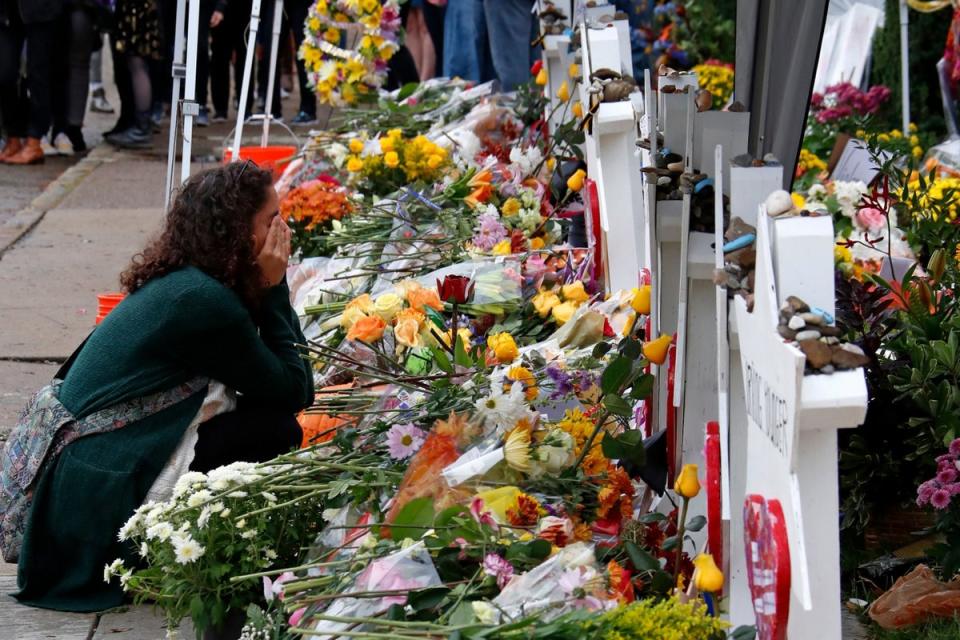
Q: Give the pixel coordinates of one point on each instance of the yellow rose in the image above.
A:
(391, 159)
(541, 78)
(687, 484)
(574, 70)
(354, 164)
(434, 161)
(544, 301)
(551, 163)
(707, 576)
(502, 248)
(463, 333)
(575, 182)
(563, 93)
(563, 312)
(356, 145)
(367, 329)
(407, 332)
(387, 305)
(363, 302)
(574, 292)
(510, 207)
(577, 110)
(641, 300)
(656, 350)
(503, 346)
(350, 316)
(537, 243)
(386, 144)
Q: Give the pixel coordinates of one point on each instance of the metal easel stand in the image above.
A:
(184, 69)
(267, 116)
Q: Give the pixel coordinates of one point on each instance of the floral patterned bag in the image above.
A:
(44, 429)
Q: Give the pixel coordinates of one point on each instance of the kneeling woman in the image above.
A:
(198, 367)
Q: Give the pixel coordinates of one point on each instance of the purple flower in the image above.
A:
(490, 233)
(498, 567)
(954, 488)
(403, 440)
(947, 476)
(562, 381)
(940, 499)
(955, 447)
(924, 491)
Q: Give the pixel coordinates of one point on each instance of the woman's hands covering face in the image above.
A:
(275, 254)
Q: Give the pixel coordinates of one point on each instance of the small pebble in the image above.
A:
(827, 369)
(663, 181)
(675, 166)
(796, 323)
(786, 332)
(796, 304)
(778, 203)
(808, 334)
(852, 348)
(812, 318)
(829, 330)
(830, 340)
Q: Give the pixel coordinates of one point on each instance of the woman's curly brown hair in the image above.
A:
(210, 227)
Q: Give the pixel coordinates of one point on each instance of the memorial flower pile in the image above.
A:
(475, 462)
(717, 78)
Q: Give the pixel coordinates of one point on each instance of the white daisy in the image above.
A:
(198, 498)
(187, 549)
(160, 531)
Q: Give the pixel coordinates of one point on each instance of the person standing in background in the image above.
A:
(510, 28)
(137, 36)
(98, 96)
(228, 46)
(297, 12)
(33, 23)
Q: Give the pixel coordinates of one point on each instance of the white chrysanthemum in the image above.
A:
(144, 549)
(848, 195)
(501, 409)
(125, 579)
(216, 507)
(249, 534)
(186, 482)
(241, 523)
(198, 498)
(529, 219)
(160, 531)
(525, 160)
(204, 516)
(129, 527)
(187, 549)
(110, 570)
(485, 612)
(269, 496)
(237, 494)
(270, 554)
(337, 153)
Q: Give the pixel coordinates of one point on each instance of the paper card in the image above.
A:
(850, 161)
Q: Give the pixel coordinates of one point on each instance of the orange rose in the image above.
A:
(367, 329)
(407, 332)
(411, 314)
(423, 297)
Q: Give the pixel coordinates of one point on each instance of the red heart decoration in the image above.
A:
(768, 565)
(714, 522)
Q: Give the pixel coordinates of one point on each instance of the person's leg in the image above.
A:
(121, 77)
(221, 50)
(12, 113)
(249, 434)
(308, 99)
(415, 33)
(203, 59)
(509, 25)
(140, 135)
(41, 46)
(239, 17)
(459, 42)
(60, 83)
(433, 17)
(83, 35)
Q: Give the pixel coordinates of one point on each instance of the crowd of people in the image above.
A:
(52, 56)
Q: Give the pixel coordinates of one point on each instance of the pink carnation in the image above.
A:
(871, 219)
(947, 476)
(495, 565)
(940, 499)
(955, 447)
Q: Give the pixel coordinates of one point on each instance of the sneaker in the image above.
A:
(99, 102)
(48, 149)
(219, 117)
(75, 135)
(284, 94)
(132, 138)
(62, 144)
(158, 114)
(203, 118)
(304, 118)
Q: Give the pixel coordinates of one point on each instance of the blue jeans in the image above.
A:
(487, 39)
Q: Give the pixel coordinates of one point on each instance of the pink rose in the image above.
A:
(871, 219)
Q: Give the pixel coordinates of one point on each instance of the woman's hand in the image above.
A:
(216, 19)
(275, 254)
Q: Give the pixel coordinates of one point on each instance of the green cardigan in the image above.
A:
(177, 327)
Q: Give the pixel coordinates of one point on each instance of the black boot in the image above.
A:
(75, 134)
(139, 136)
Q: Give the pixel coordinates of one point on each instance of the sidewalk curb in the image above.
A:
(29, 217)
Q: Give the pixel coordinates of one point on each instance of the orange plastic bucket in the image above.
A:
(275, 158)
(107, 302)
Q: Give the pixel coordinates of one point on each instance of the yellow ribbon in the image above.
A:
(929, 6)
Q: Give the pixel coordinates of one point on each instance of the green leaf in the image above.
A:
(653, 516)
(617, 405)
(459, 354)
(445, 517)
(627, 446)
(642, 387)
(670, 543)
(443, 362)
(661, 582)
(615, 374)
(407, 90)
(745, 632)
(414, 519)
(696, 523)
(428, 598)
(640, 558)
(631, 348)
(601, 348)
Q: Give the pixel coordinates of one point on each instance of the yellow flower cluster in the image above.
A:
(579, 426)
(717, 79)
(896, 139)
(942, 195)
(560, 307)
(339, 77)
(417, 158)
(661, 620)
(809, 161)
